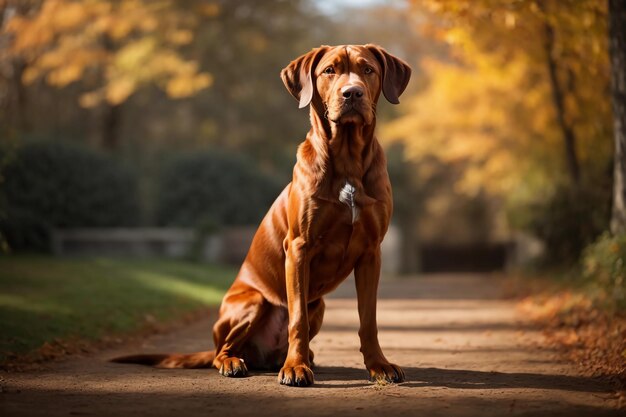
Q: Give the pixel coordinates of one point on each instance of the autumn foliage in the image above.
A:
(113, 47)
(518, 99)
(489, 100)
(591, 337)
(507, 122)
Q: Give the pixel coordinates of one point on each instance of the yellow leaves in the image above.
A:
(472, 114)
(118, 29)
(64, 64)
(90, 99)
(454, 36)
(135, 54)
(60, 72)
(30, 75)
(128, 43)
(180, 37)
(51, 59)
(187, 85)
(145, 61)
(64, 75)
(510, 20)
(27, 35)
(488, 106)
(68, 16)
(149, 24)
(115, 92)
(119, 89)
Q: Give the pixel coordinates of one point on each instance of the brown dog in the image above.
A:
(329, 221)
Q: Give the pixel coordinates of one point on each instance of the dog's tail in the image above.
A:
(171, 360)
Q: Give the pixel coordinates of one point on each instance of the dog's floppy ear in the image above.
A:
(396, 73)
(298, 75)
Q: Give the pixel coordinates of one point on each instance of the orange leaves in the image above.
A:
(65, 75)
(128, 44)
(27, 35)
(186, 85)
(135, 53)
(209, 9)
(144, 60)
(90, 99)
(68, 16)
(487, 102)
(582, 331)
(119, 89)
(180, 37)
(466, 114)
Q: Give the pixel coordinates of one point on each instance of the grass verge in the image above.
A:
(46, 301)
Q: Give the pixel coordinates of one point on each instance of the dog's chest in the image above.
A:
(338, 249)
(341, 230)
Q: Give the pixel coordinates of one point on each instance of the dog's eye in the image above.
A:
(368, 70)
(329, 70)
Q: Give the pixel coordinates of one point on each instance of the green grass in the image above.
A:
(45, 298)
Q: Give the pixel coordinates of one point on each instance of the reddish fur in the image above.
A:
(307, 243)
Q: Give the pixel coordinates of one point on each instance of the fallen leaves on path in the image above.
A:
(588, 335)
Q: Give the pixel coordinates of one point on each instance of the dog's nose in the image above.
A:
(350, 91)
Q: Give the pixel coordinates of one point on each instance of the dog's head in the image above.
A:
(346, 80)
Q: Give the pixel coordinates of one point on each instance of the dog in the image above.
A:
(328, 222)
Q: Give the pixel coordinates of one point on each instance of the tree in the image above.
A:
(518, 99)
(114, 48)
(617, 47)
(565, 73)
(559, 96)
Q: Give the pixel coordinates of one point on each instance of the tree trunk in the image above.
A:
(558, 98)
(617, 50)
(111, 114)
(111, 119)
(21, 100)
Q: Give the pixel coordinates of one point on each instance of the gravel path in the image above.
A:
(465, 351)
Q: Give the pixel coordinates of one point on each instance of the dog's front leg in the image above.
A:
(366, 275)
(296, 370)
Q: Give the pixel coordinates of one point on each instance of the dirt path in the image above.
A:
(464, 350)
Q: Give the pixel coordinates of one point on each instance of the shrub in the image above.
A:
(604, 264)
(212, 188)
(568, 220)
(55, 184)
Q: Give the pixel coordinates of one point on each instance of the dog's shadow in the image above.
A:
(459, 379)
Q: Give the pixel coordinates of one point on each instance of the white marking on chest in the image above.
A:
(346, 196)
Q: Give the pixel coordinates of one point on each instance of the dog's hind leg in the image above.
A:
(241, 312)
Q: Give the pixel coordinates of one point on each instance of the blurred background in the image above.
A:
(162, 128)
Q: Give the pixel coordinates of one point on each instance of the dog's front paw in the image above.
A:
(234, 368)
(296, 376)
(385, 372)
